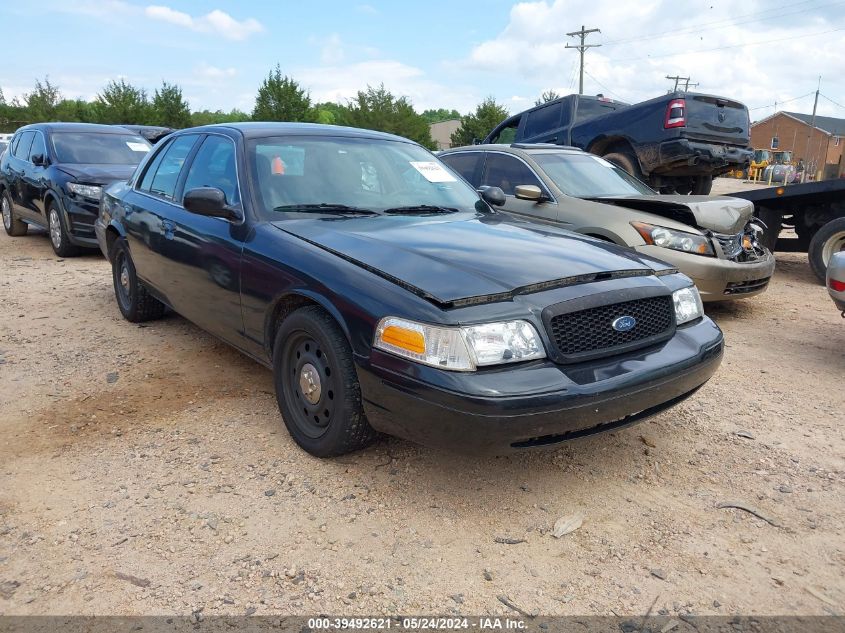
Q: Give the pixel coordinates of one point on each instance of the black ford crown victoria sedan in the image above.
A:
(387, 296)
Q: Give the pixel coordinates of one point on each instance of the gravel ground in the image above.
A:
(145, 470)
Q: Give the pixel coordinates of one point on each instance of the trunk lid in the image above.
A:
(711, 118)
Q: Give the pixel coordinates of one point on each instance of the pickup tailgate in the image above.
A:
(716, 119)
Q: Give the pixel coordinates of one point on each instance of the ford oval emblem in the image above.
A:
(624, 323)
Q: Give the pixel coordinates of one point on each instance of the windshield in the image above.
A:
(94, 148)
(588, 176)
(321, 172)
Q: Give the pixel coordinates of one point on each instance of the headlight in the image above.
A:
(676, 240)
(688, 305)
(459, 348)
(86, 191)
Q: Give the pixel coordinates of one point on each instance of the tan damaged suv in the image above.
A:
(713, 239)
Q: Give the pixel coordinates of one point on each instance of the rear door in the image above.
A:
(717, 120)
(15, 174)
(543, 124)
(506, 171)
(467, 164)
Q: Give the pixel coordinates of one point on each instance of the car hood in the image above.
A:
(97, 174)
(721, 214)
(452, 259)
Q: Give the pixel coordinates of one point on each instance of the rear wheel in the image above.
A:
(829, 239)
(627, 161)
(701, 185)
(59, 239)
(317, 386)
(14, 226)
(134, 300)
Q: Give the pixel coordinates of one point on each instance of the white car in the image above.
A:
(836, 280)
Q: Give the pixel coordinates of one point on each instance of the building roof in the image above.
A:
(827, 123)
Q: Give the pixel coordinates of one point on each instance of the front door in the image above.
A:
(33, 181)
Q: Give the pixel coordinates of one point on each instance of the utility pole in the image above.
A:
(678, 80)
(581, 48)
(812, 126)
(687, 84)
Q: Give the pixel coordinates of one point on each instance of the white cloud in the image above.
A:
(332, 50)
(367, 8)
(342, 82)
(217, 21)
(644, 41)
(207, 71)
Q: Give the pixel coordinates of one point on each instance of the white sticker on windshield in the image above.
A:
(137, 147)
(433, 171)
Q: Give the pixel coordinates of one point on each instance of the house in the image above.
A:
(819, 146)
(441, 132)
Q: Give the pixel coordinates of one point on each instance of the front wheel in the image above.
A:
(59, 239)
(134, 300)
(829, 239)
(701, 185)
(14, 226)
(317, 386)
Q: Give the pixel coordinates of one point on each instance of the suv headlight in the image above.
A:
(459, 348)
(688, 306)
(676, 240)
(86, 191)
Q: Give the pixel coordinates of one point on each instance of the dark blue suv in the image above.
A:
(52, 175)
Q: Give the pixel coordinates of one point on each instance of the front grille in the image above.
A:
(744, 287)
(590, 332)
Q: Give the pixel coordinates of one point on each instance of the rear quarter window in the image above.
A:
(543, 120)
(466, 164)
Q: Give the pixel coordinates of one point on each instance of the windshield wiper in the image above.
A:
(419, 209)
(338, 209)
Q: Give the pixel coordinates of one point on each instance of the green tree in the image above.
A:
(441, 114)
(548, 95)
(40, 104)
(121, 102)
(480, 123)
(77, 110)
(329, 113)
(168, 108)
(207, 117)
(378, 109)
(280, 98)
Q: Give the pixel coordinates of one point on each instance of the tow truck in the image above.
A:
(814, 210)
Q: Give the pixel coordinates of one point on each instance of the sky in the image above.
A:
(439, 54)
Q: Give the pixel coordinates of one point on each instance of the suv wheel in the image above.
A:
(317, 386)
(11, 223)
(58, 234)
(829, 239)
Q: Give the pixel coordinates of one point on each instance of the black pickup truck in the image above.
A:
(676, 142)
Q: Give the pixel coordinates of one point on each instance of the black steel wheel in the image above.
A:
(134, 300)
(317, 386)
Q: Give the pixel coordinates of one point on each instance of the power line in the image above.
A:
(581, 48)
(722, 48)
(709, 26)
(777, 103)
(832, 101)
(609, 91)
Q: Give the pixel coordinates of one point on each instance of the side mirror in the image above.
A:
(39, 160)
(209, 201)
(529, 192)
(493, 196)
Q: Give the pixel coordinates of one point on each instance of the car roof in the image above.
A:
(59, 126)
(519, 148)
(261, 129)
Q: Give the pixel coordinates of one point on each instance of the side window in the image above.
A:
(38, 146)
(465, 163)
(152, 166)
(507, 172)
(22, 148)
(507, 134)
(167, 173)
(543, 120)
(214, 166)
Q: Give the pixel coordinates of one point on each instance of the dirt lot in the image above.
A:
(146, 470)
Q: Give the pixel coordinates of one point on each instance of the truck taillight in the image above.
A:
(676, 114)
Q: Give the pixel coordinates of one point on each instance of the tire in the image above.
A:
(829, 239)
(627, 161)
(773, 221)
(317, 386)
(59, 239)
(135, 302)
(701, 185)
(13, 225)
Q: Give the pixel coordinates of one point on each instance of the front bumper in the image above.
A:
(718, 279)
(684, 157)
(535, 404)
(80, 215)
